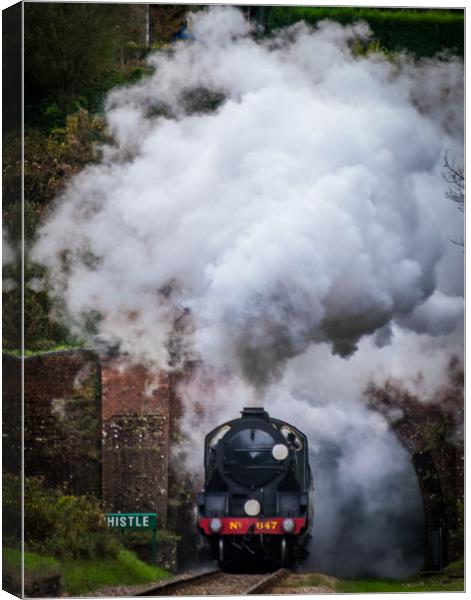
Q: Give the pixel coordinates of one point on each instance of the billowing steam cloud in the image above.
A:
(289, 195)
(292, 214)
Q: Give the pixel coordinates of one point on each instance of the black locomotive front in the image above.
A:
(257, 496)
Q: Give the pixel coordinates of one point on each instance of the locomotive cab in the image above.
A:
(256, 498)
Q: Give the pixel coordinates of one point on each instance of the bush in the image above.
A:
(49, 162)
(11, 509)
(135, 536)
(69, 46)
(65, 527)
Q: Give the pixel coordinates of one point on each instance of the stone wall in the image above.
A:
(63, 420)
(135, 417)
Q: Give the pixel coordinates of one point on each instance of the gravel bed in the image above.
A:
(298, 584)
(219, 585)
(121, 590)
(223, 584)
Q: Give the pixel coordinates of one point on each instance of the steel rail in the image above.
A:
(167, 587)
(264, 586)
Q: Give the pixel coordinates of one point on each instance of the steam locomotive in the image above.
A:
(257, 499)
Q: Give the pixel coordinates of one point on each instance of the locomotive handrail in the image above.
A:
(253, 449)
(263, 467)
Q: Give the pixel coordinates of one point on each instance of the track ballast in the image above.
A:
(217, 583)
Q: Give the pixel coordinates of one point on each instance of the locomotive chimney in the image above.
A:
(260, 413)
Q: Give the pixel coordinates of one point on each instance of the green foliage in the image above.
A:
(361, 48)
(422, 32)
(81, 577)
(80, 530)
(35, 564)
(66, 535)
(39, 572)
(11, 510)
(64, 526)
(436, 432)
(40, 331)
(144, 536)
(50, 348)
(448, 580)
(377, 586)
(455, 569)
(11, 317)
(70, 47)
(12, 75)
(50, 161)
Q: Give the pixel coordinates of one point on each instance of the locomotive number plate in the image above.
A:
(266, 525)
(259, 525)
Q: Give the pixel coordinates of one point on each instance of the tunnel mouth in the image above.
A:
(375, 531)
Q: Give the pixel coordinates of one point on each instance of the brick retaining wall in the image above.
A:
(63, 420)
(135, 438)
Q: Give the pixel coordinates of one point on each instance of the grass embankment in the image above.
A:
(428, 584)
(84, 576)
(35, 564)
(451, 579)
(422, 32)
(80, 577)
(42, 573)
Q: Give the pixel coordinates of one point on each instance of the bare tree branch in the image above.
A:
(453, 174)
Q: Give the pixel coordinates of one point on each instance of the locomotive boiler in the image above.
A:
(257, 497)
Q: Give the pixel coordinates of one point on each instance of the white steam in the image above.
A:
(292, 214)
(304, 214)
(9, 255)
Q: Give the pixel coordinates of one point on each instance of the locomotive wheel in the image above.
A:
(221, 551)
(284, 552)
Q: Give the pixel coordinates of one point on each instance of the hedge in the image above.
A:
(422, 32)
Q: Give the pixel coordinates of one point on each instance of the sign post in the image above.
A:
(154, 547)
(136, 521)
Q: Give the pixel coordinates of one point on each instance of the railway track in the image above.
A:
(217, 583)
